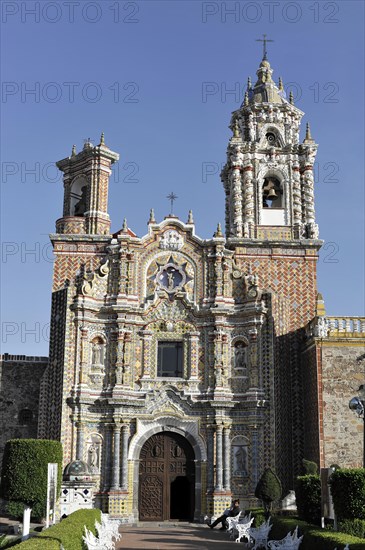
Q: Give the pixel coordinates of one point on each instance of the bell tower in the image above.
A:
(271, 228)
(86, 181)
(268, 177)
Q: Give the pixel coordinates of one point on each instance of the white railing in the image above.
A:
(346, 324)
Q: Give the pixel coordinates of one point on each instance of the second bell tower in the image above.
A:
(268, 177)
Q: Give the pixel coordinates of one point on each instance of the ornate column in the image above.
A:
(122, 270)
(227, 458)
(236, 195)
(127, 358)
(83, 354)
(79, 440)
(210, 458)
(219, 458)
(249, 203)
(309, 149)
(253, 365)
(297, 203)
(124, 471)
(107, 456)
(119, 358)
(147, 339)
(194, 355)
(115, 486)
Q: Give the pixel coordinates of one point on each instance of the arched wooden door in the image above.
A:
(166, 478)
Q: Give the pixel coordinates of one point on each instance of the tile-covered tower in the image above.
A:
(271, 228)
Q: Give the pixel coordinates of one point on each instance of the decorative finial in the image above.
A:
(236, 129)
(102, 142)
(264, 41)
(152, 216)
(218, 233)
(73, 153)
(281, 86)
(308, 135)
(190, 217)
(291, 98)
(245, 101)
(172, 197)
(249, 83)
(125, 226)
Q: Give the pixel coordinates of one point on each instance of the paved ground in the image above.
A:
(165, 536)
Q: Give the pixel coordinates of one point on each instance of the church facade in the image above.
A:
(181, 367)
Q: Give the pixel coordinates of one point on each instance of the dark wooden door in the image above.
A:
(166, 478)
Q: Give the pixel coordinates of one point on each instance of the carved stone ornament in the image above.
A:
(171, 277)
(171, 240)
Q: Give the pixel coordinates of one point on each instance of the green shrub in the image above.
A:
(268, 489)
(314, 537)
(348, 493)
(68, 532)
(310, 468)
(258, 514)
(308, 498)
(24, 474)
(354, 527)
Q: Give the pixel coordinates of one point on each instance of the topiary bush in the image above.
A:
(308, 498)
(348, 493)
(24, 474)
(310, 468)
(69, 532)
(355, 527)
(268, 489)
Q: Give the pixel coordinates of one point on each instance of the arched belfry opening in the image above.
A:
(166, 478)
(78, 197)
(272, 193)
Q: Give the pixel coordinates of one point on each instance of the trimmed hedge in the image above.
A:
(354, 527)
(24, 474)
(314, 537)
(68, 532)
(308, 498)
(258, 514)
(348, 493)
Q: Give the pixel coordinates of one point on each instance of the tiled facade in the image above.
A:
(255, 386)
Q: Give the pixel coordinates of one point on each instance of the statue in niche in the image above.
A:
(97, 357)
(80, 206)
(240, 356)
(93, 458)
(240, 461)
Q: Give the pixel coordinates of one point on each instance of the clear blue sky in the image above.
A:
(138, 71)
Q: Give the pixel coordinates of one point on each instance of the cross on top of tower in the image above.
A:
(172, 197)
(264, 40)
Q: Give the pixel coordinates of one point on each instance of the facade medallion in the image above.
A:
(172, 277)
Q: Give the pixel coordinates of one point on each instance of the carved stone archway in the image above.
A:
(189, 430)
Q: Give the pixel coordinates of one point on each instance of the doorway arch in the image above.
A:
(166, 478)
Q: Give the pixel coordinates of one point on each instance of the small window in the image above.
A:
(25, 417)
(170, 359)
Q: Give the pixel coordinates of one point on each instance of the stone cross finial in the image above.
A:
(264, 40)
(172, 197)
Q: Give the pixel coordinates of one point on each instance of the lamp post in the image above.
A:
(357, 404)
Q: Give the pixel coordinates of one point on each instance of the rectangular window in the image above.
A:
(170, 359)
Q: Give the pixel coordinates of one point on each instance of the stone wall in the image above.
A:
(343, 371)
(20, 378)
